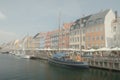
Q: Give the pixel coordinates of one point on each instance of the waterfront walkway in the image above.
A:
(109, 59)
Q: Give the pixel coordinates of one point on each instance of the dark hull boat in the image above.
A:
(61, 60)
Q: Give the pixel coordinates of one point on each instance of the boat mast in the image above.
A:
(59, 22)
(80, 23)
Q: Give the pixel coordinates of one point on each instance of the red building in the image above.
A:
(48, 40)
(64, 35)
(58, 38)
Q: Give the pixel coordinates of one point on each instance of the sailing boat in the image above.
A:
(68, 59)
(65, 59)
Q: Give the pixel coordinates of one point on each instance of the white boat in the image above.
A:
(25, 56)
(22, 55)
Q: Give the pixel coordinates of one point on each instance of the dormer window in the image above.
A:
(99, 20)
(84, 20)
(82, 25)
(72, 28)
(90, 22)
(77, 26)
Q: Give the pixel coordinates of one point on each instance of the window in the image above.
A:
(90, 22)
(77, 31)
(99, 20)
(102, 38)
(102, 45)
(74, 32)
(92, 45)
(88, 30)
(77, 26)
(114, 37)
(97, 38)
(82, 25)
(97, 46)
(114, 29)
(88, 38)
(88, 45)
(96, 29)
(93, 38)
(83, 30)
(91, 29)
(83, 38)
(84, 20)
(72, 27)
(70, 39)
(78, 39)
(101, 29)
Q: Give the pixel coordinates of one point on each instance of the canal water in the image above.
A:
(15, 68)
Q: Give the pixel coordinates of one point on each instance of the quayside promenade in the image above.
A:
(100, 58)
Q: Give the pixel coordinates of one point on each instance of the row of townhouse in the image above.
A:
(92, 31)
(55, 39)
(96, 31)
(26, 43)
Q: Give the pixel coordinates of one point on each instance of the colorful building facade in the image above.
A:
(64, 36)
(98, 29)
(48, 40)
(55, 39)
(92, 31)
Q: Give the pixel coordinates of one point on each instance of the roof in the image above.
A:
(78, 22)
(35, 35)
(67, 25)
(101, 14)
(97, 18)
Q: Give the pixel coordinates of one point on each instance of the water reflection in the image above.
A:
(85, 74)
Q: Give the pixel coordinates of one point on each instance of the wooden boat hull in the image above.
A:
(70, 64)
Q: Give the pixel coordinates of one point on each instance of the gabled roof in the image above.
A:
(80, 21)
(67, 25)
(101, 14)
(36, 35)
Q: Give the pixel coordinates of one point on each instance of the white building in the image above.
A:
(116, 32)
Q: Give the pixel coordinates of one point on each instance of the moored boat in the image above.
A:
(65, 59)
